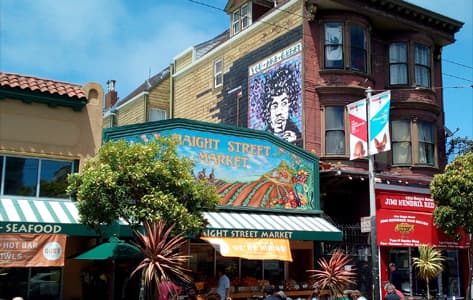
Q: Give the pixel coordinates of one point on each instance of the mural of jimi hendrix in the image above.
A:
(276, 96)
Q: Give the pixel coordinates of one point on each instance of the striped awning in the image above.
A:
(42, 216)
(270, 225)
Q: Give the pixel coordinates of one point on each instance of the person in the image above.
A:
(223, 287)
(191, 294)
(167, 290)
(356, 295)
(269, 293)
(395, 276)
(281, 97)
(390, 292)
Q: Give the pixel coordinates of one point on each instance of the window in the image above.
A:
(333, 46)
(357, 49)
(218, 73)
(334, 130)
(401, 142)
(31, 177)
(425, 132)
(241, 19)
(398, 63)
(156, 114)
(422, 65)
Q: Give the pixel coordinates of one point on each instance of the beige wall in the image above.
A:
(132, 112)
(190, 82)
(39, 130)
(159, 95)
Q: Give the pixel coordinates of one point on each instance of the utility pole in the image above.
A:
(372, 197)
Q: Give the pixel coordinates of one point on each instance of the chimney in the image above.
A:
(111, 96)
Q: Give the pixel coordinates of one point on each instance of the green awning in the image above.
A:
(270, 225)
(113, 249)
(48, 216)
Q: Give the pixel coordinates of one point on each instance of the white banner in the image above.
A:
(358, 129)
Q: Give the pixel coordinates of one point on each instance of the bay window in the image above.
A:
(33, 177)
(401, 142)
(335, 130)
(351, 54)
(398, 63)
(413, 142)
(422, 65)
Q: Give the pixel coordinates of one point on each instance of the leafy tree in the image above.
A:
(141, 183)
(458, 146)
(452, 192)
(429, 263)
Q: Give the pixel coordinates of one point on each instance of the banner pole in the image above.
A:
(372, 198)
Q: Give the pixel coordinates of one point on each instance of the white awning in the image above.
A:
(270, 225)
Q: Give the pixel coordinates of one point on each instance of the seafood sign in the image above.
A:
(247, 172)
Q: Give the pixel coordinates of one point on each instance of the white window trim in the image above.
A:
(239, 23)
(218, 74)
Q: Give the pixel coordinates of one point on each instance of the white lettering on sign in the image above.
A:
(247, 233)
(32, 228)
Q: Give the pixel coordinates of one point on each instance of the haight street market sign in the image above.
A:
(249, 168)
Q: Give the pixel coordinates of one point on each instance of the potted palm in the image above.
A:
(163, 262)
(429, 264)
(334, 274)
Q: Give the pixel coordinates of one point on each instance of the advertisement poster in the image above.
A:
(380, 140)
(404, 229)
(32, 250)
(275, 94)
(358, 129)
(247, 172)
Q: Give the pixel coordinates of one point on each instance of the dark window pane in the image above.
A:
(45, 283)
(358, 59)
(358, 48)
(21, 176)
(53, 181)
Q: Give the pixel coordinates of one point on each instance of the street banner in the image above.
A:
(358, 129)
(379, 140)
(32, 250)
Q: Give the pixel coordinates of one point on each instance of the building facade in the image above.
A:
(291, 67)
(48, 129)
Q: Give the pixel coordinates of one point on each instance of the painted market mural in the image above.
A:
(275, 94)
(247, 172)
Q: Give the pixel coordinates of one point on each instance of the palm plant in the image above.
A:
(333, 275)
(162, 262)
(429, 264)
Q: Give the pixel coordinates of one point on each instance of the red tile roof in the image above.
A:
(36, 84)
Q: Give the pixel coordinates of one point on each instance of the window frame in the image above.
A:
(241, 19)
(343, 129)
(419, 65)
(218, 73)
(347, 46)
(399, 63)
(416, 144)
(155, 109)
(40, 162)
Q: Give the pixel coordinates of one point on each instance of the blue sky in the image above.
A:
(126, 40)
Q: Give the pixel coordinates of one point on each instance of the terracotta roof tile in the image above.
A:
(36, 84)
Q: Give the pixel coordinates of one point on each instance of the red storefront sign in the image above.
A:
(404, 201)
(32, 250)
(403, 228)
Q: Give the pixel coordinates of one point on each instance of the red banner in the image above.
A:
(405, 201)
(32, 250)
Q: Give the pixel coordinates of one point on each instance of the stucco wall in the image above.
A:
(39, 130)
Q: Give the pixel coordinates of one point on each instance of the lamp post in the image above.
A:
(372, 197)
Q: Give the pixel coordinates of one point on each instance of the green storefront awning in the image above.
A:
(270, 225)
(48, 216)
